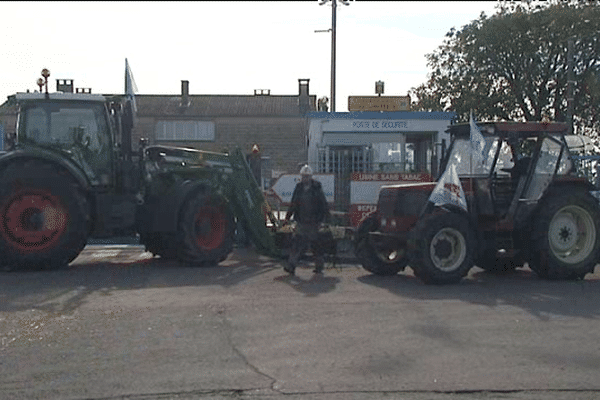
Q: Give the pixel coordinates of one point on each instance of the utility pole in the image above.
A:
(333, 20)
(333, 43)
(570, 84)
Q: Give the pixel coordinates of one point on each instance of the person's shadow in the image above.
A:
(317, 284)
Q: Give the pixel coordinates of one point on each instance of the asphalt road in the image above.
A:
(118, 324)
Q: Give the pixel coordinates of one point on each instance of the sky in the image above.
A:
(226, 47)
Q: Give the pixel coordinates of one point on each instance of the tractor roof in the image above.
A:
(511, 129)
(19, 97)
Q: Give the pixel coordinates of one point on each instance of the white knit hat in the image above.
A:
(306, 170)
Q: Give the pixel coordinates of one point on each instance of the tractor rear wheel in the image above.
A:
(444, 245)
(44, 216)
(207, 230)
(566, 236)
(377, 260)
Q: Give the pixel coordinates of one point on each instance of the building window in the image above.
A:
(185, 130)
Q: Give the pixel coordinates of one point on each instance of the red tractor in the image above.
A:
(525, 201)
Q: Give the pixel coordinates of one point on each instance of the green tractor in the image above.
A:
(69, 174)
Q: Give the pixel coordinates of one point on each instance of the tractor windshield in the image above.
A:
(64, 123)
(467, 163)
(78, 127)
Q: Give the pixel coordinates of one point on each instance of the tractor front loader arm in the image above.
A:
(251, 207)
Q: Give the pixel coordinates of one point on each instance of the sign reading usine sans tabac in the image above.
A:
(378, 103)
(392, 176)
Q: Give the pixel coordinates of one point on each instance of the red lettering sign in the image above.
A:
(392, 177)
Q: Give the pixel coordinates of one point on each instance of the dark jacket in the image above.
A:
(308, 206)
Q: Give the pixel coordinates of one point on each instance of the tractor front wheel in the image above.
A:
(379, 260)
(444, 245)
(207, 228)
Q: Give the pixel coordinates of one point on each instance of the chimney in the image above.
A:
(303, 96)
(185, 93)
(64, 85)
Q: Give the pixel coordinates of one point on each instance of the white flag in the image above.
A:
(130, 86)
(477, 142)
(449, 190)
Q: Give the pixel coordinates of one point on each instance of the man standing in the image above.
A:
(309, 209)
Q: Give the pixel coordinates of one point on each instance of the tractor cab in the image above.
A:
(67, 126)
(520, 162)
(86, 132)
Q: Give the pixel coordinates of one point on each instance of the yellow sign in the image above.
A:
(378, 103)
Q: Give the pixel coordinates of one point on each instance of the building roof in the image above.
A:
(439, 115)
(221, 105)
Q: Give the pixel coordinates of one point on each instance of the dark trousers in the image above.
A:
(305, 237)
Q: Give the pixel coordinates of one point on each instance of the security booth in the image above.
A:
(365, 150)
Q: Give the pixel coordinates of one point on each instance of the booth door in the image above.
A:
(342, 161)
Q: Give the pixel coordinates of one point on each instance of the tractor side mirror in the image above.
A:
(127, 129)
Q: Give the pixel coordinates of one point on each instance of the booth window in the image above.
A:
(341, 160)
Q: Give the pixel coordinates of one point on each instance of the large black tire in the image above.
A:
(566, 236)
(44, 216)
(206, 229)
(443, 248)
(376, 260)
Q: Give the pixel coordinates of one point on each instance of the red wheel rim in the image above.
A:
(33, 220)
(210, 226)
